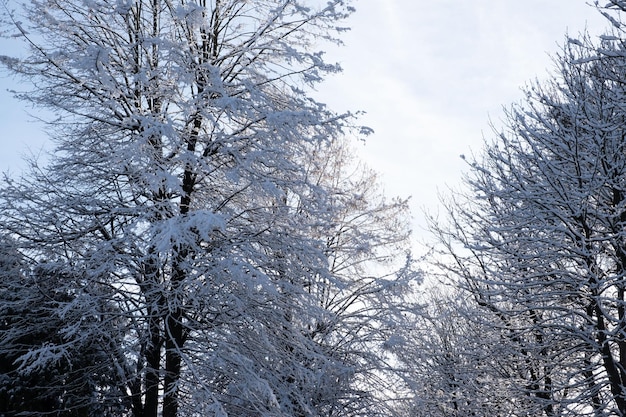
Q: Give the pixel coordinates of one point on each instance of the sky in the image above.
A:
(433, 76)
(430, 75)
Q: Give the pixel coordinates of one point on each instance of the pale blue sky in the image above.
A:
(429, 74)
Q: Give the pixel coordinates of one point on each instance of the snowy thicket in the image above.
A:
(200, 243)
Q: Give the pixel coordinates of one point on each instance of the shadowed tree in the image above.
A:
(38, 374)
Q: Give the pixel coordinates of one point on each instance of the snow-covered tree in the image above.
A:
(539, 239)
(195, 205)
(46, 366)
(366, 246)
(456, 363)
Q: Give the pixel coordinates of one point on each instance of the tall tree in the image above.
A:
(184, 191)
(539, 239)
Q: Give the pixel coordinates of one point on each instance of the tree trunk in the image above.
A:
(173, 344)
(153, 359)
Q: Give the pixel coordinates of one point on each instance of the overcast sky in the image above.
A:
(432, 74)
(429, 74)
